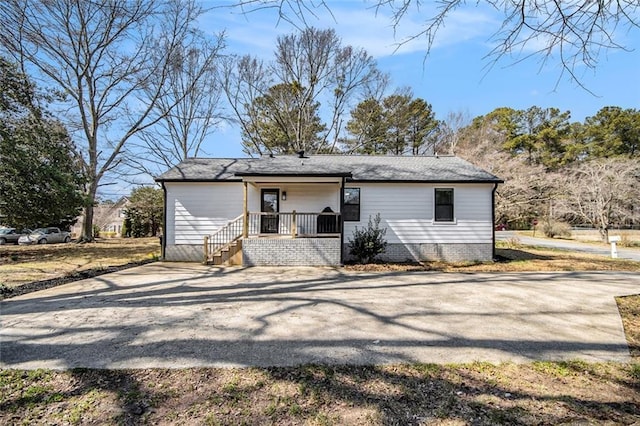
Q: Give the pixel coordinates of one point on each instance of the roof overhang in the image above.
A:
(298, 178)
(296, 174)
(429, 181)
(195, 180)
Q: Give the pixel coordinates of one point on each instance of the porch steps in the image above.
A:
(230, 254)
(224, 247)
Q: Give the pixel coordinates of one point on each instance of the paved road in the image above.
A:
(189, 315)
(604, 250)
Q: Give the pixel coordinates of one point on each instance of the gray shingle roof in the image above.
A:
(353, 167)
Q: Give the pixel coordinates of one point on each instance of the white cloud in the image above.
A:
(363, 26)
(357, 23)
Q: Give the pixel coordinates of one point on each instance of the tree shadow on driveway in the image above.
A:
(199, 316)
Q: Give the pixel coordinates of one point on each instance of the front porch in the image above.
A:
(285, 220)
(249, 239)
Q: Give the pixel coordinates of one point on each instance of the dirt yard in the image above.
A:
(25, 264)
(478, 393)
(539, 393)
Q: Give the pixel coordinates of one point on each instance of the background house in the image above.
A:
(108, 217)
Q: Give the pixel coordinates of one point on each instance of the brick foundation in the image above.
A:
(326, 251)
(434, 252)
(291, 252)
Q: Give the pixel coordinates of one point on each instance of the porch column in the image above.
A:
(245, 211)
(341, 221)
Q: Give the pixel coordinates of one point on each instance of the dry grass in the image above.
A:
(478, 393)
(540, 259)
(629, 307)
(24, 264)
(629, 237)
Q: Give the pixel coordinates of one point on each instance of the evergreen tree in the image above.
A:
(367, 128)
(398, 125)
(286, 122)
(613, 131)
(40, 178)
(144, 213)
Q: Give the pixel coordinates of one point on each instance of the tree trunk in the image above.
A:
(87, 225)
(604, 234)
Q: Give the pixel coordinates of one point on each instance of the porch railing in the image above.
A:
(295, 224)
(223, 237)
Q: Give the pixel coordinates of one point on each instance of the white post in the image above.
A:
(245, 211)
(294, 225)
(614, 250)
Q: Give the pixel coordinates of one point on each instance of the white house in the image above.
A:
(302, 210)
(108, 217)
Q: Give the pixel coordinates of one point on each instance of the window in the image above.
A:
(444, 205)
(351, 205)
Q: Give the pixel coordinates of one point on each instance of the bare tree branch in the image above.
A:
(189, 109)
(573, 33)
(103, 55)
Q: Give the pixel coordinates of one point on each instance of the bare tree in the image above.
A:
(601, 193)
(245, 79)
(330, 75)
(527, 188)
(450, 131)
(103, 57)
(189, 109)
(576, 32)
(285, 122)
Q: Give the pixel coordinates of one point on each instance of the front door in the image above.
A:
(270, 204)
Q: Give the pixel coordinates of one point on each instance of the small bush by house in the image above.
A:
(367, 243)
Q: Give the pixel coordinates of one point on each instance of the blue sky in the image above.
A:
(454, 76)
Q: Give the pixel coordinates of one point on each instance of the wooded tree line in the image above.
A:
(554, 170)
(139, 87)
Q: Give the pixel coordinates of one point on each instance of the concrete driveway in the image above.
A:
(188, 315)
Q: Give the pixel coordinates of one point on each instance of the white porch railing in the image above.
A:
(295, 224)
(224, 236)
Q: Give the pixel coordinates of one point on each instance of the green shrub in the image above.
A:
(552, 228)
(369, 242)
(96, 231)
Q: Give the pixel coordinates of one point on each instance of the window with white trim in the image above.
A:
(443, 205)
(351, 205)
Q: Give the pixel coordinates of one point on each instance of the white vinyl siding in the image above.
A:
(407, 211)
(198, 209)
(309, 198)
